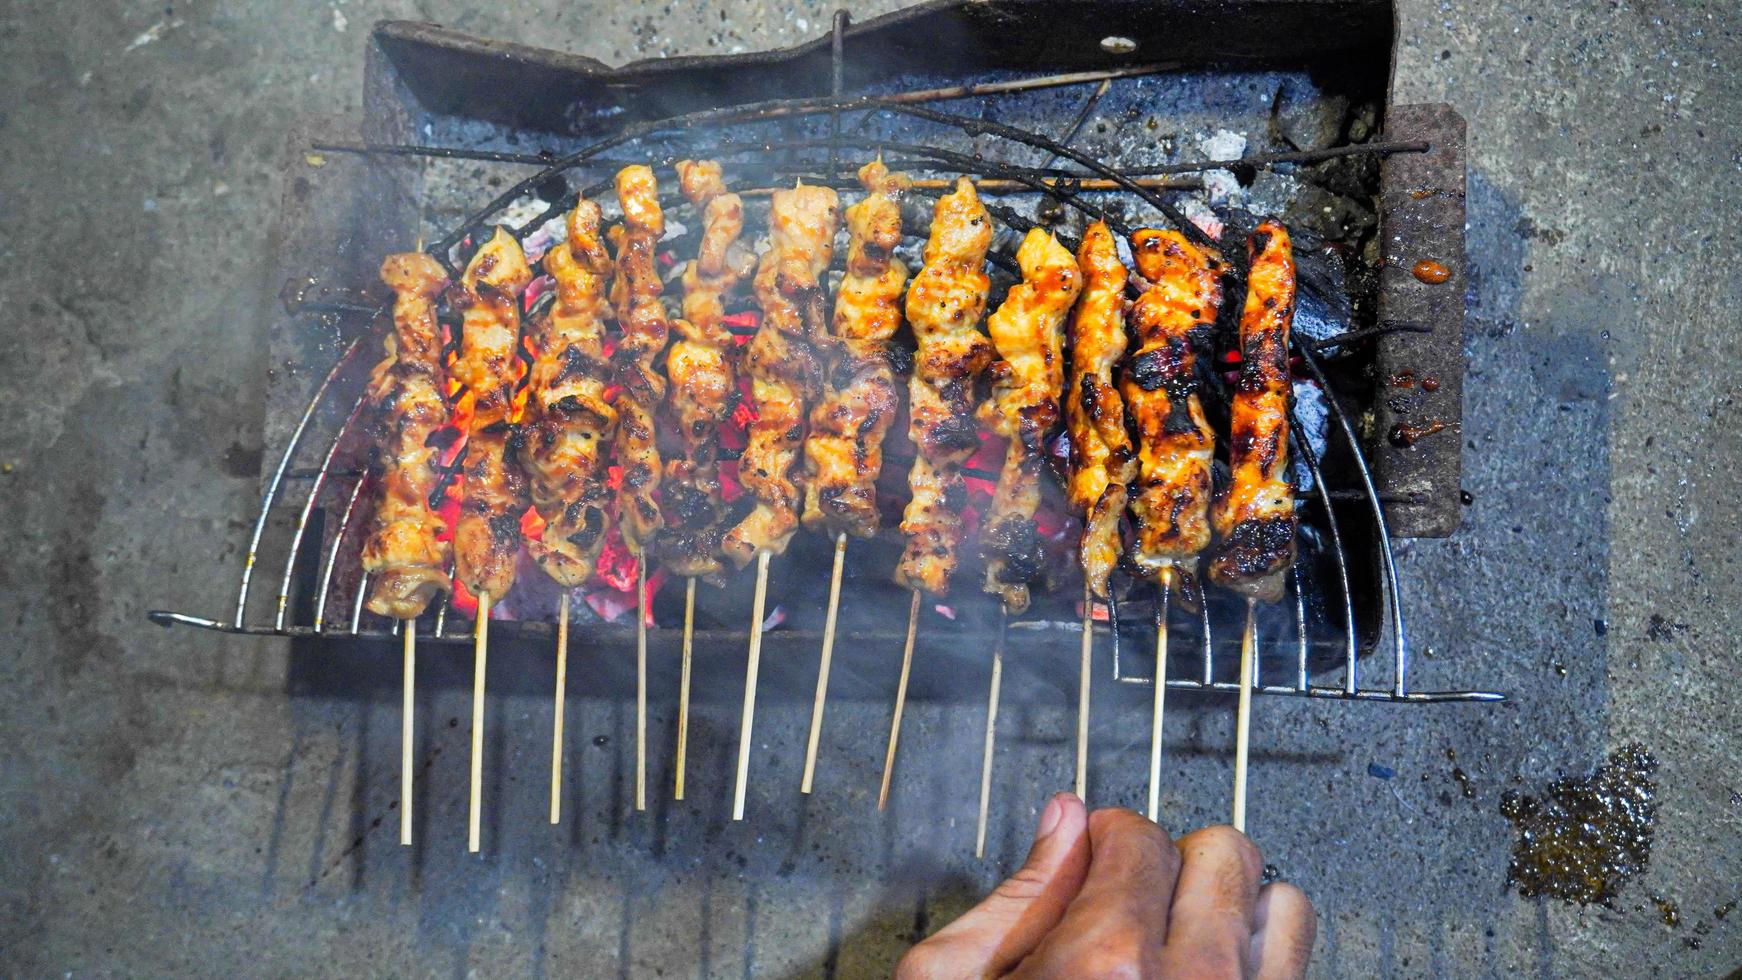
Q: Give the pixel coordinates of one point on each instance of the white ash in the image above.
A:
(520, 212)
(1222, 145)
(546, 237)
(1314, 418)
(1222, 187)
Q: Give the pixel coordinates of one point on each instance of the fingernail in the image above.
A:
(1050, 817)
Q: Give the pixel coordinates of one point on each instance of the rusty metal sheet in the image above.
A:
(1417, 444)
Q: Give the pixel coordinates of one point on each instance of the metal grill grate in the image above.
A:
(320, 588)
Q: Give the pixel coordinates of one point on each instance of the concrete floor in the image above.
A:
(181, 803)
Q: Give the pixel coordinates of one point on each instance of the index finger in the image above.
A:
(1119, 918)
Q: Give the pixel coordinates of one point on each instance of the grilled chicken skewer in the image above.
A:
(487, 535)
(784, 379)
(944, 306)
(1100, 450)
(641, 316)
(844, 452)
(1102, 462)
(1176, 446)
(704, 390)
(405, 554)
(1027, 381)
(1255, 517)
(566, 438)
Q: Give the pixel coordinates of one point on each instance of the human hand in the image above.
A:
(1108, 894)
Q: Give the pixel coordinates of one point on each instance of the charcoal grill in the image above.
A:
(946, 87)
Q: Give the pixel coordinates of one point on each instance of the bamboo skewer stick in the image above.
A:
(1083, 677)
(991, 732)
(562, 687)
(683, 684)
(900, 701)
(810, 750)
(480, 658)
(640, 682)
(755, 663)
(408, 631)
(1154, 812)
(1243, 715)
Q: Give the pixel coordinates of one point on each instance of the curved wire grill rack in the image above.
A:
(322, 561)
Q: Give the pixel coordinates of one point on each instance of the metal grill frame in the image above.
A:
(392, 89)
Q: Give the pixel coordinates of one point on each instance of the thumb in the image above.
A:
(993, 936)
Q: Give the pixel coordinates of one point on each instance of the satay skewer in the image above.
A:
(700, 365)
(753, 665)
(487, 536)
(810, 750)
(1101, 458)
(1255, 515)
(844, 449)
(1170, 474)
(406, 551)
(945, 304)
(556, 731)
(480, 660)
(791, 288)
(900, 700)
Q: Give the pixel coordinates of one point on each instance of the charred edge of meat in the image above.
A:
(955, 496)
(688, 506)
(1260, 446)
(638, 476)
(589, 518)
(956, 432)
(1017, 544)
(900, 358)
(1255, 549)
(504, 529)
(1266, 350)
(577, 364)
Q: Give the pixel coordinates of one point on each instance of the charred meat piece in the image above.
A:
(844, 452)
(642, 318)
(1027, 381)
(487, 535)
(944, 305)
(405, 555)
(566, 437)
(1176, 448)
(783, 367)
(1101, 458)
(701, 366)
(1255, 517)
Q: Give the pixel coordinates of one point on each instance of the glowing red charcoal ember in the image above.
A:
(464, 601)
(731, 488)
(616, 567)
(532, 525)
